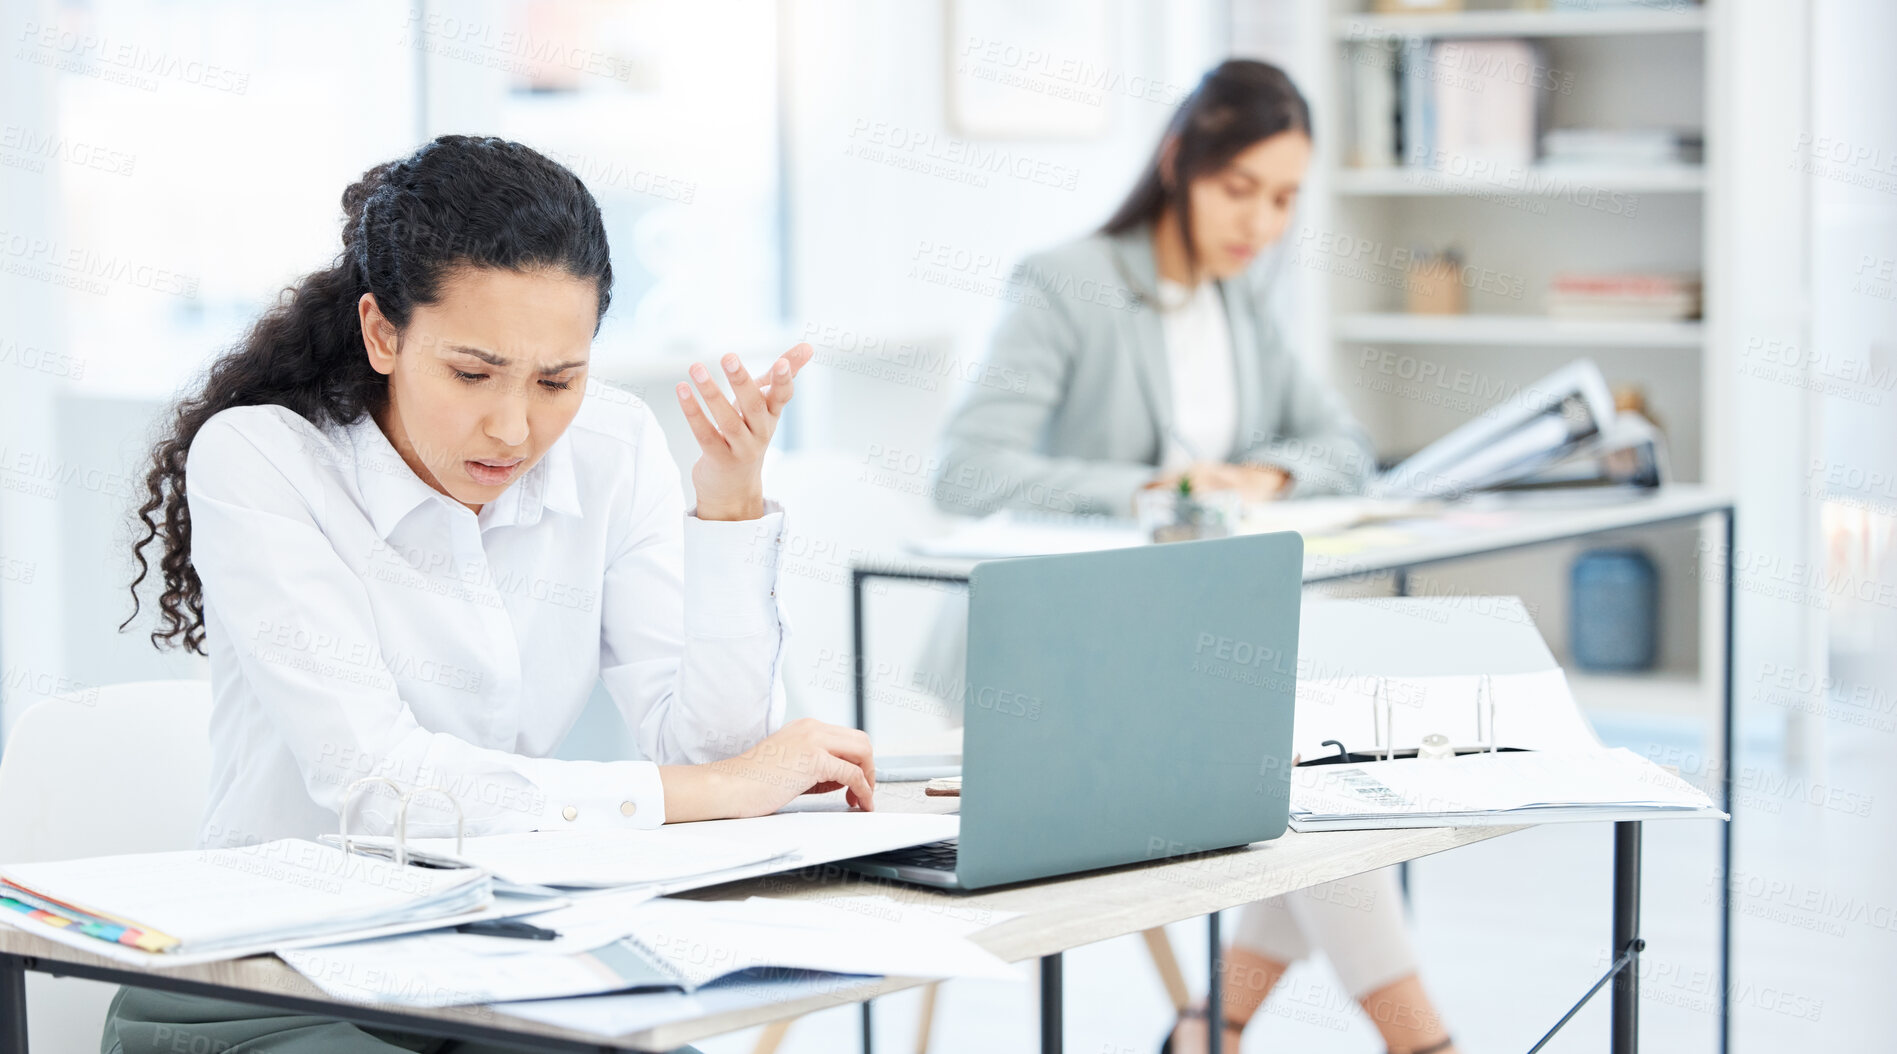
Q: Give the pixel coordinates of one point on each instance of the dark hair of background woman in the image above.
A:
(1237, 104)
(457, 201)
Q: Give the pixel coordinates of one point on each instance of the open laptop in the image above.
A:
(1120, 706)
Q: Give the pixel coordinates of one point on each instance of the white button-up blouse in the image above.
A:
(360, 623)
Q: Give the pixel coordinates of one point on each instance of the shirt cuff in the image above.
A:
(599, 795)
(731, 574)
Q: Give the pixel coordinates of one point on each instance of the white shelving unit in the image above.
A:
(1635, 67)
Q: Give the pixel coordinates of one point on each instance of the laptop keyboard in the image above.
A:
(939, 856)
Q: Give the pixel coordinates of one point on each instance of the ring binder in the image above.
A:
(1485, 692)
(401, 815)
(1382, 710)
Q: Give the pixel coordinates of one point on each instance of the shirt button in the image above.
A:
(627, 808)
(570, 813)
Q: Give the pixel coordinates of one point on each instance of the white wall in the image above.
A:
(875, 75)
(31, 600)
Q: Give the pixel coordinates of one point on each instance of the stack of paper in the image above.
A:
(1516, 787)
(202, 905)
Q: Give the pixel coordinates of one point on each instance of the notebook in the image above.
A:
(190, 906)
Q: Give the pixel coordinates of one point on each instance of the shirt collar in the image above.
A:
(391, 489)
(556, 482)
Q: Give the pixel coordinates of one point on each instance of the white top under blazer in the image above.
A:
(360, 623)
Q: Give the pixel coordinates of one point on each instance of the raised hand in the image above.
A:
(729, 475)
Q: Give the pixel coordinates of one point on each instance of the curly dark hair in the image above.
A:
(458, 201)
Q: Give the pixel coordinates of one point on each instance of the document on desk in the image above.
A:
(664, 944)
(600, 859)
(193, 906)
(680, 856)
(617, 1015)
(623, 1013)
(1499, 789)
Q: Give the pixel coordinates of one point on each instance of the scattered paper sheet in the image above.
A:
(622, 1014)
(682, 943)
(600, 859)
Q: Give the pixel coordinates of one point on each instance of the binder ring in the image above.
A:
(401, 818)
(403, 797)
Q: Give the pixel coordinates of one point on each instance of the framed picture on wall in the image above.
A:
(1030, 70)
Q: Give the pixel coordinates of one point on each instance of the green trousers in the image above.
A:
(142, 1021)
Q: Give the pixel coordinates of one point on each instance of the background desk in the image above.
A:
(1519, 526)
(1055, 915)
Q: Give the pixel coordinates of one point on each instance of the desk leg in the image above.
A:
(1214, 991)
(1728, 673)
(1050, 1004)
(1624, 1031)
(860, 690)
(861, 696)
(12, 1005)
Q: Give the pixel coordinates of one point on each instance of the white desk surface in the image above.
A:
(1055, 915)
(1458, 531)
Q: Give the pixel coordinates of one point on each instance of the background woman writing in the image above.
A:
(410, 543)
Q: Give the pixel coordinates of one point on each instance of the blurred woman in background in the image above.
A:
(1146, 354)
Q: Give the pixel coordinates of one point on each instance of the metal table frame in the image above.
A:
(1623, 1033)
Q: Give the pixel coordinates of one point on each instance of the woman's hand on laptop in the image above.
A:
(806, 756)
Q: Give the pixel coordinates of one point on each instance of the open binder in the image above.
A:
(202, 905)
(1562, 431)
(1447, 711)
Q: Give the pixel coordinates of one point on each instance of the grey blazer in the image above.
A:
(1069, 410)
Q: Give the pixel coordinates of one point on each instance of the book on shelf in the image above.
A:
(1469, 108)
(1624, 296)
(1373, 104)
(1630, 147)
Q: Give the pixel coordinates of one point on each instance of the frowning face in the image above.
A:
(486, 378)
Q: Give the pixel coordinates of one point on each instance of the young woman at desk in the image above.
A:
(412, 542)
(1144, 353)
